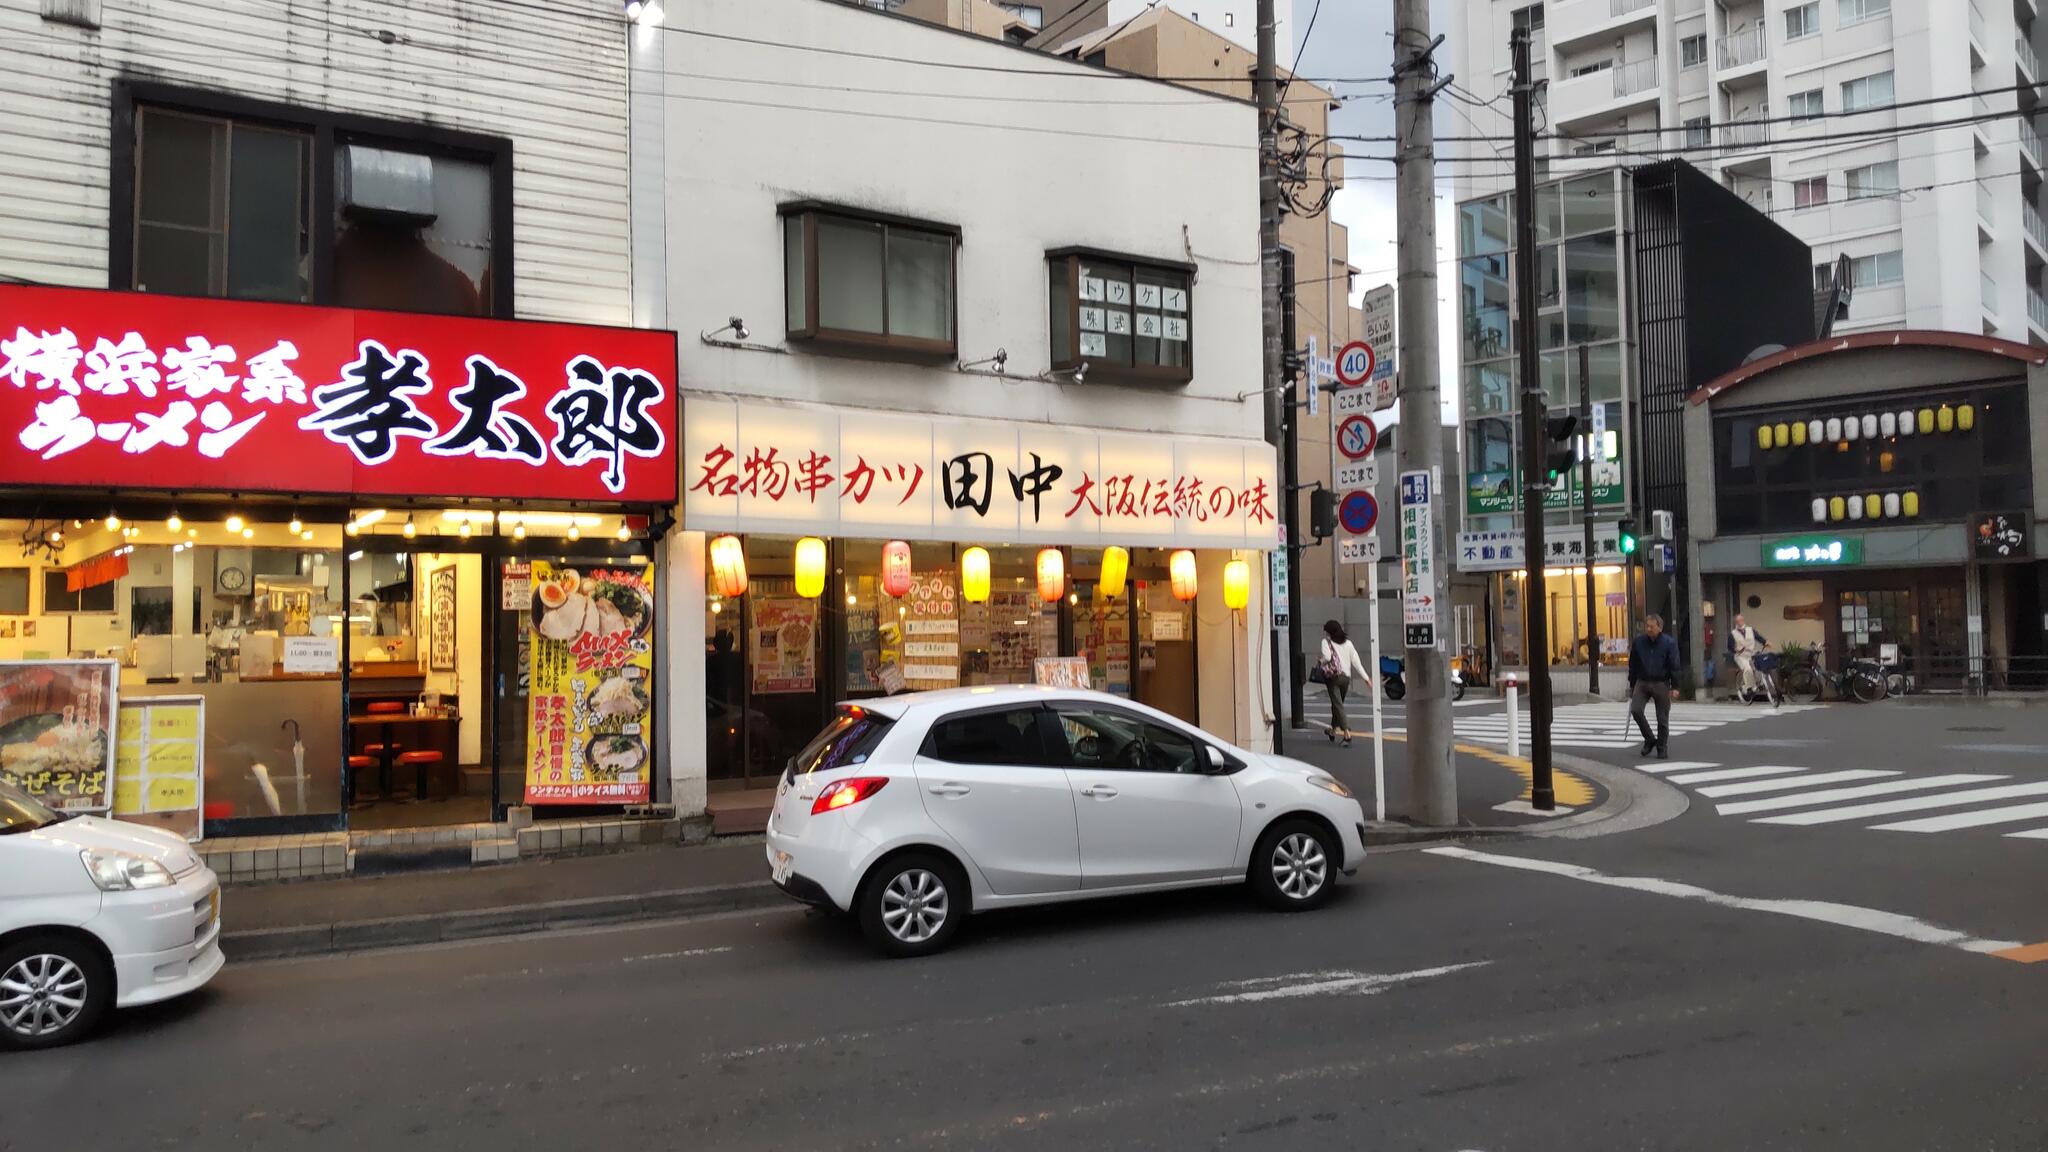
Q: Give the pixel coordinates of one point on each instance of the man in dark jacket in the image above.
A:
(1653, 678)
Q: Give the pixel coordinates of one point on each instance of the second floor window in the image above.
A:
(1867, 92)
(1124, 318)
(868, 281)
(221, 208)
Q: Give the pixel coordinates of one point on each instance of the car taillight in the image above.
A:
(844, 793)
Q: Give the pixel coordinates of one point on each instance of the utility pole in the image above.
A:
(1278, 417)
(1586, 516)
(1433, 773)
(1534, 409)
(1295, 385)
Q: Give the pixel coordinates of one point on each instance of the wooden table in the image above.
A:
(384, 724)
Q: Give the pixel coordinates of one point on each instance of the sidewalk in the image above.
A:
(1493, 787)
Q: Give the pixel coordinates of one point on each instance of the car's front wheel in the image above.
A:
(53, 990)
(1294, 867)
(913, 904)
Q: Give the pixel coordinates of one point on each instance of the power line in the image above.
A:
(1299, 48)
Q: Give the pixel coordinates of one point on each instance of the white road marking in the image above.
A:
(1781, 784)
(1661, 767)
(1524, 808)
(1913, 804)
(2030, 834)
(1732, 774)
(1978, 819)
(1860, 792)
(1297, 985)
(687, 952)
(1824, 911)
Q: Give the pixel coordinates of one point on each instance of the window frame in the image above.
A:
(1852, 191)
(328, 130)
(1809, 21)
(113, 607)
(1871, 260)
(1684, 61)
(1800, 183)
(28, 589)
(1068, 260)
(1843, 19)
(882, 343)
(1062, 751)
(1794, 116)
(1530, 16)
(1867, 83)
(1699, 131)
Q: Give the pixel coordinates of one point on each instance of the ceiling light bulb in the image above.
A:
(113, 522)
(625, 533)
(56, 535)
(464, 530)
(192, 533)
(307, 535)
(298, 525)
(409, 530)
(519, 531)
(234, 522)
(174, 523)
(248, 533)
(353, 529)
(575, 533)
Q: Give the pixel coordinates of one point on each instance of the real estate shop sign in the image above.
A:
(133, 390)
(802, 469)
(1492, 493)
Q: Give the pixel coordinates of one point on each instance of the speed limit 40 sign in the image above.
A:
(1354, 364)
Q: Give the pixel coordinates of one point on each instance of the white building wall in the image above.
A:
(553, 82)
(1934, 48)
(1024, 154)
(1234, 20)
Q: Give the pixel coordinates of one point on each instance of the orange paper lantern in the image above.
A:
(1180, 567)
(896, 568)
(1052, 574)
(728, 566)
(1237, 585)
(810, 567)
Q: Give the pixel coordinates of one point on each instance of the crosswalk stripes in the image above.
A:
(1602, 725)
(1778, 788)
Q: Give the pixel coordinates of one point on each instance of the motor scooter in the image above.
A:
(1394, 680)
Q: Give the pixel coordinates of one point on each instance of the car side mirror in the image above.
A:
(1216, 761)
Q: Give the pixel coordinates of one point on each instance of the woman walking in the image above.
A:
(1336, 664)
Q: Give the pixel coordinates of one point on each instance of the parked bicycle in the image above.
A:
(1859, 680)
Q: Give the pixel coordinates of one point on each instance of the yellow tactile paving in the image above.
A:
(1570, 791)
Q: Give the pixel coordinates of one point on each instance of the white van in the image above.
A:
(95, 914)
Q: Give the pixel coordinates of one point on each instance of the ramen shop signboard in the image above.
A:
(132, 390)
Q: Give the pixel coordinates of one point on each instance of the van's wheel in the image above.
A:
(1294, 867)
(912, 904)
(53, 990)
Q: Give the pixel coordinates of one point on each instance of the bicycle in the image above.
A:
(1766, 665)
(1897, 681)
(1859, 680)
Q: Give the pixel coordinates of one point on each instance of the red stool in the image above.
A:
(420, 760)
(357, 764)
(384, 708)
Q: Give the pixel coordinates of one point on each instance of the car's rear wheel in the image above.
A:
(912, 904)
(1294, 867)
(53, 990)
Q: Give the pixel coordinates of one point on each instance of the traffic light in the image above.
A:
(1627, 527)
(1559, 451)
(1322, 513)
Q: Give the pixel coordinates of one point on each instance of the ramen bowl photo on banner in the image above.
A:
(590, 711)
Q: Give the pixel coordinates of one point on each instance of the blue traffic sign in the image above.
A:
(1414, 487)
(1358, 512)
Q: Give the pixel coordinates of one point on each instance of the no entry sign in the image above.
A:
(1356, 436)
(1358, 512)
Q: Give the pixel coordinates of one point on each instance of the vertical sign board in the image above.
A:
(1277, 561)
(1379, 333)
(1312, 379)
(1418, 567)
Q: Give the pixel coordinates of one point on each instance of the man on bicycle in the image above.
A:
(1744, 644)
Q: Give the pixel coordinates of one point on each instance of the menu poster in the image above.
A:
(56, 731)
(785, 650)
(863, 655)
(590, 704)
(1013, 635)
(1061, 671)
(159, 756)
(931, 633)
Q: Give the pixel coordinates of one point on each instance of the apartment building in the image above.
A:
(1899, 133)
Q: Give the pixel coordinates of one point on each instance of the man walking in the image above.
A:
(1653, 677)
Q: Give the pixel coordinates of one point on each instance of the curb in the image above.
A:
(445, 927)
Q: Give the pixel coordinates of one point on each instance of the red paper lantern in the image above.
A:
(896, 567)
(1180, 568)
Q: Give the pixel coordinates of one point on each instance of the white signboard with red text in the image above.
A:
(788, 469)
(134, 390)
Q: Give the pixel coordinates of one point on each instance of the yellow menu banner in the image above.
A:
(590, 701)
(159, 763)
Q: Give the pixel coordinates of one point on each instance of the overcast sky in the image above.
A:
(1354, 38)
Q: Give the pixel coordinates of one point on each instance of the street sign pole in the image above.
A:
(1379, 729)
(1535, 628)
(1586, 514)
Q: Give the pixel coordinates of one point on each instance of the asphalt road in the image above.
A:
(1443, 1003)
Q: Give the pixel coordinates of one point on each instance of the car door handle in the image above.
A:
(950, 789)
(1099, 792)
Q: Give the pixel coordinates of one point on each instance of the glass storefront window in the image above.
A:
(1589, 204)
(1484, 227)
(1486, 301)
(1593, 289)
(1490, 389)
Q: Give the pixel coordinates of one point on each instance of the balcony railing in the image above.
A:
(2025, 52)
(1624, 7)
(1640, 76)
(1987, 292)
(1749, 133)
(2036, 227)
(2037, 309)
(2030, 143)
(1745, 47)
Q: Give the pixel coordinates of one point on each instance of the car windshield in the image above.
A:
(21, 812)
(849, 739)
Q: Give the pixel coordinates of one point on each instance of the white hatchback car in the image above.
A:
(95, 914)
(913, 811)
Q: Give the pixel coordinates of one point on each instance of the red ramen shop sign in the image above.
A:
(127, 389)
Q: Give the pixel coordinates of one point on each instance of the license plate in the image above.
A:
(784, 865)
